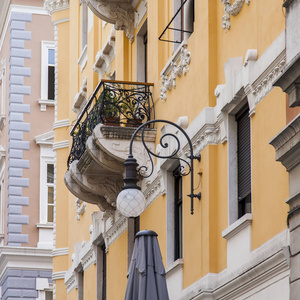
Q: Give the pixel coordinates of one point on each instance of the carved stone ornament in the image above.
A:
(80, 98)
(53, 6)
(105, 56)
(118, 12)
(231, 9)
(176, 66)
(80, 208)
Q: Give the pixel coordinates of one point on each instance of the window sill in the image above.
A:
(45, 103)
(174, 267)
(237, 226)
(45, 226)
(82, 60)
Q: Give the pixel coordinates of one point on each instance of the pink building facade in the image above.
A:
(27, 98)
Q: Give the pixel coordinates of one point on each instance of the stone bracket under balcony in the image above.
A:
(96, 177)
(118, 12)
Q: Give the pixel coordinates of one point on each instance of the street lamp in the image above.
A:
(131, 201)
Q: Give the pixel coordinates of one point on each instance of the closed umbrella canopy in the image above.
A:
(146, 275)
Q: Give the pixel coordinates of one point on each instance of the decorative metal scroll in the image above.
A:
(113, 103)
(186, 170)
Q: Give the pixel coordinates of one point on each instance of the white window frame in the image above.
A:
(43, 286)
(45, 160)
(47, 156)
(44, 101)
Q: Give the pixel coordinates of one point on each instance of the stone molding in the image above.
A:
(53, 6)
(105, 56)
(232, 283)
(60, 145)
(140, 12)
(60, 251)
(80, 98)
(82, 60)
(231, 10)
(120, 13)
(85, 252)
(58, 275)
(26, 258)
(264, 84)
(175, 67)
(61, 124)
(287, 144)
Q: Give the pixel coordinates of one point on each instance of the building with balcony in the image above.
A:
(27, 159)
(220, 71)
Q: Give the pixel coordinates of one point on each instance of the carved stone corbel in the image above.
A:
(231, 9)
(120, 13)
(80, 98)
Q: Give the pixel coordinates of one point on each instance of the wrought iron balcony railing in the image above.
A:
(113, 103)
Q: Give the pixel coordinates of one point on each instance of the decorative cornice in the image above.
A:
(24, 258)
(119, 13)
(264, 84)
(61, 123)
(60, 145)
(176, 66)
(115, 231)
(58, 275)
(53, 6)
(231, 9)
(105, 56)
(60, 252)
(287, 144)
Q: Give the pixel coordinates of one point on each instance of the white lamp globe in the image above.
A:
(131, 202)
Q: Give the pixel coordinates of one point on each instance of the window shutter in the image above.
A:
(243, 153)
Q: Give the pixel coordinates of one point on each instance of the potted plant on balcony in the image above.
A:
(111, 109)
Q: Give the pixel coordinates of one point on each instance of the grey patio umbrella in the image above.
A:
(146, 275)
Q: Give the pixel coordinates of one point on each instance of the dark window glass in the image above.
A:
(51, 82)
(178, 213)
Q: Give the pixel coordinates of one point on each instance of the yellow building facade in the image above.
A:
(213, 75)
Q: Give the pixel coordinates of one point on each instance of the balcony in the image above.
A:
(118, 12)
(101, 137)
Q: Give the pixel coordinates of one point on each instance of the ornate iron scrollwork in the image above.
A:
(188, 169)
(113, 103)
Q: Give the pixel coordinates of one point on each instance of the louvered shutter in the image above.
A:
(243, 153)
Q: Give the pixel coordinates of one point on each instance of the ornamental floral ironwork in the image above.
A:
(113, 103)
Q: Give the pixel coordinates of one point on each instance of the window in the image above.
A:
(47, 75)
(182, 23)
(84, 25)
(142, 53)
(101, 272)
(51, 74)
(80, 285)
(50, 189)
(243, 161)
(177, 213)
(49, 295)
